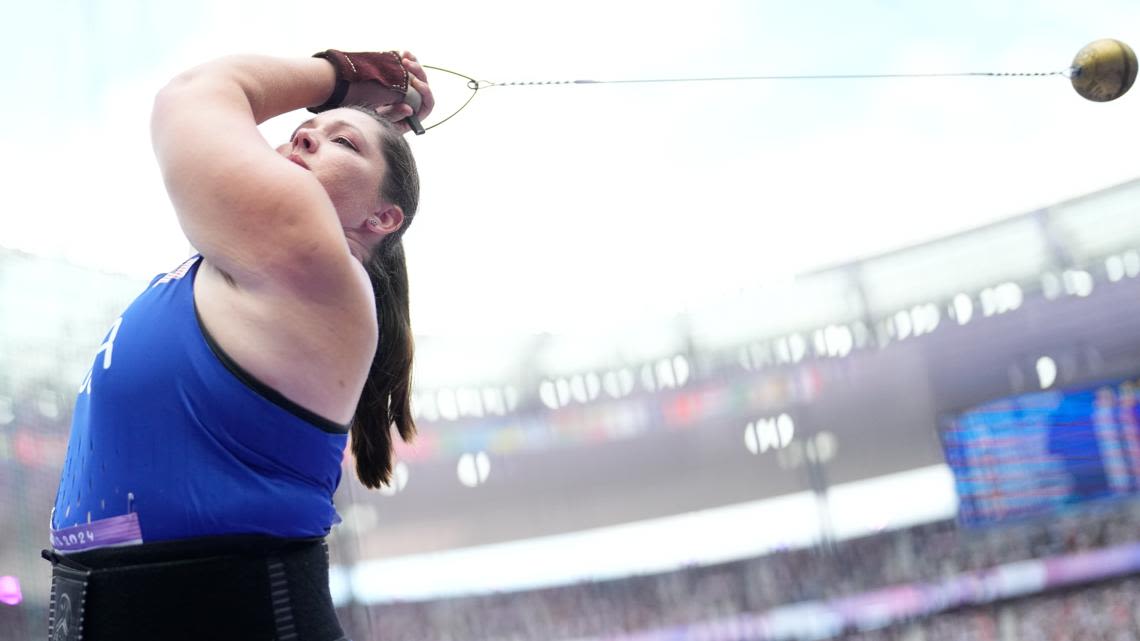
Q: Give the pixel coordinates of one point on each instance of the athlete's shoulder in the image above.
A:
(178, 272)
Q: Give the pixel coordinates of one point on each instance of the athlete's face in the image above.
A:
(341, 148)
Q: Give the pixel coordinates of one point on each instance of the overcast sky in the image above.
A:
(596, 209)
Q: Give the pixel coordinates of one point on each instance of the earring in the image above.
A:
(373, 222)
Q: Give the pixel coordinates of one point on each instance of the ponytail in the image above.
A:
(385, 401)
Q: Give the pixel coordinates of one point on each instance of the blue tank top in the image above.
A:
(171, 434)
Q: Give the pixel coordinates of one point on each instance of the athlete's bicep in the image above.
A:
(249, 211)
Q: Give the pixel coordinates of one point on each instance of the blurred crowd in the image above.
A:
(33, 438)
(1103, 612)
(924, 553)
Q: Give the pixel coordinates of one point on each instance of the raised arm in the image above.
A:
(244, 207)
(259, 218)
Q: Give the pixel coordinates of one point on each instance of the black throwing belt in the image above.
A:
(246, 588)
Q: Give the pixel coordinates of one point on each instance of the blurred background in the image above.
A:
(721, 361)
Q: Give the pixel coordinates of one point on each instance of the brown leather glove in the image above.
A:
(383, 67)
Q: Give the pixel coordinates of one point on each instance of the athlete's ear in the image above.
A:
(387, 219)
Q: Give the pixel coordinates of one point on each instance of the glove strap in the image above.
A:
(383, 67)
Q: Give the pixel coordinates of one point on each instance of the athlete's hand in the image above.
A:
(397, 111)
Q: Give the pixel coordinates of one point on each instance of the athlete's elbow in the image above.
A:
(178, 88)
(173, 100)
(206, 82)
(205, 74)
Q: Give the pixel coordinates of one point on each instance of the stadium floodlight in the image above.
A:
(1114, 268)
(473, 469)
(548, 394)
(1132, 263)
(664, 375)
(925, 318)
(838, 340)
(448, 407)
(904, 325)
(798, 347)
(1078, 282)
(963, 308)
(681, 369)
(769, 434)
(1046, 372)
(563, 387)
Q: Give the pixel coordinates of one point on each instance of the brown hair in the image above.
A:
(385, 401)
